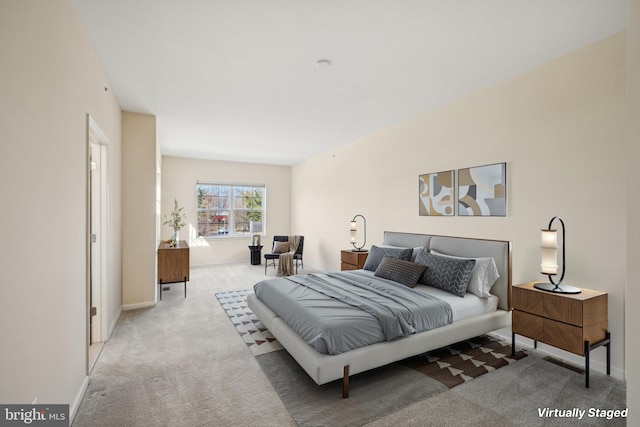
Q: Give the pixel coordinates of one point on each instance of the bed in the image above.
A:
(324, 365)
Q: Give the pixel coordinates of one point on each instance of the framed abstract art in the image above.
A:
(482, 190)
(436, 194)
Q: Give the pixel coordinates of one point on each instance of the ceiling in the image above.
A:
(238, 80)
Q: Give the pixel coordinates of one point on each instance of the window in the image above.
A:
(227, 210)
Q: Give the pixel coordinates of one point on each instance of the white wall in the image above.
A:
(50, 79)
(561, 130)
(179, 177)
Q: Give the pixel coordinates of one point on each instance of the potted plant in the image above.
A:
(176, 221)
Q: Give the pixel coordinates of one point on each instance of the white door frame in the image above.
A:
(97, 221)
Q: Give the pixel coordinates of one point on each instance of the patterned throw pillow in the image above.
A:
(376, 254)
(406, 272)
(449, 274)
(483, 277)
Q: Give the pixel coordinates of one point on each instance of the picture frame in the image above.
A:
(482, 190)
(436, 194)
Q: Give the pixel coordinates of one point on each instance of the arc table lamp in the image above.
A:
(549, 264)
(354, 229)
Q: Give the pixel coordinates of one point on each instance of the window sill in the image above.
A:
(226, 236)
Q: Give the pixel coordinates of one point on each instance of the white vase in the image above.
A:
(176, 235)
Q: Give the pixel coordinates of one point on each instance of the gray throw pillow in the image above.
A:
(406, 272)
(449, 274)
(376, 254)
(280, 247)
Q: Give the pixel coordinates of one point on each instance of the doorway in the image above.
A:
(97, 241)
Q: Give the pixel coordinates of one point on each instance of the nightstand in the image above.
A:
(351, 260)
(573, 322)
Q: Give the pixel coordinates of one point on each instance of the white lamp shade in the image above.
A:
(354, 225)
(255, 227)
(549, 245)
(549, 239)
(353, 236)
(549, 264)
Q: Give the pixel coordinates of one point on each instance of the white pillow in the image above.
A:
(483, 276)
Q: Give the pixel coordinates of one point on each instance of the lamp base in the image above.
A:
(558, 289)
(358, 250)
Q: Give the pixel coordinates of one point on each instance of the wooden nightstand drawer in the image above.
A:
(564, 336)
(540, 303)
(557, 334)
(562, 309)
(527, 325)
(349, 257)
(346, 266)
(351, 260)
(525, 300)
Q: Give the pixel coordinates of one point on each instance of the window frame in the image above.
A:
(229, 209)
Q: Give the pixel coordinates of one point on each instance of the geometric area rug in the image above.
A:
(465, 360)
(451, 365)
(257, 337)
(374, 393)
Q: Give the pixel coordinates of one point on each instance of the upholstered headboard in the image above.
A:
(499, 250)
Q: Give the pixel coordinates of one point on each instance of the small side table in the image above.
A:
(352, 260)
(577, 323)
(256, 254)
(173, 264)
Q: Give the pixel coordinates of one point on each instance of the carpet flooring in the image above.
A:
(183, 363)
(375, 393)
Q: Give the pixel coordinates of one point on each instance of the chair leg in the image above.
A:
(266, 264)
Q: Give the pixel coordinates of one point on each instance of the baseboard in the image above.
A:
(148, 304)
(564, 356)
(213, 264)
(75, 405)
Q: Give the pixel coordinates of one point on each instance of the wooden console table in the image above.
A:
(173, 264)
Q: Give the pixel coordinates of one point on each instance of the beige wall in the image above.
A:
(50, 79)
(633, 219)
(559, 126)
(179, 177)
(561, 130)
(139, 204)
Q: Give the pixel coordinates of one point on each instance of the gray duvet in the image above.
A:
(338, 312)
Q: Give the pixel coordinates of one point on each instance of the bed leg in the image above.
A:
(345, 382)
